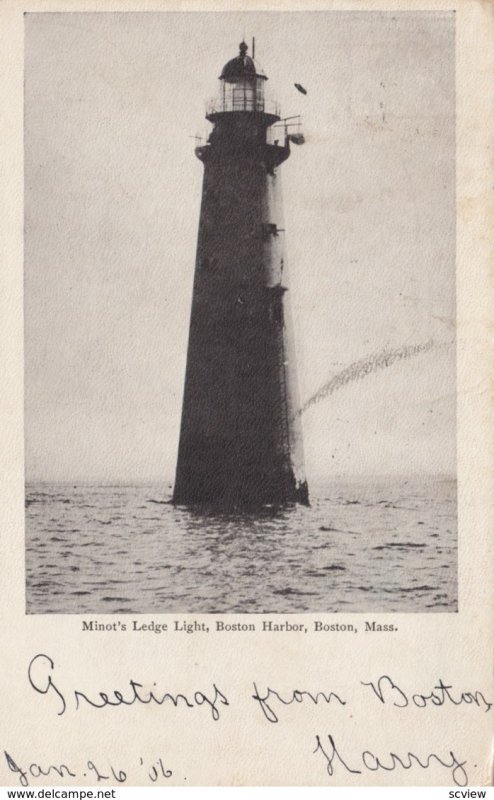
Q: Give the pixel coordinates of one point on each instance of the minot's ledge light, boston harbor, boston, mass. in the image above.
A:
(240, 440)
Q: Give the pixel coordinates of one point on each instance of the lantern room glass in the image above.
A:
(243, 94)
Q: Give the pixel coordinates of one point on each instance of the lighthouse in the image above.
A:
(240, 441)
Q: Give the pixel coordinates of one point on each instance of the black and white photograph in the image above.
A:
(239, 312)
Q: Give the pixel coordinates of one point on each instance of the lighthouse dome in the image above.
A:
(242, 67)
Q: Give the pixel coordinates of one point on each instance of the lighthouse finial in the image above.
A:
(243, 48)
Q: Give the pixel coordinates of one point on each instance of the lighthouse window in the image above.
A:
(243, 97)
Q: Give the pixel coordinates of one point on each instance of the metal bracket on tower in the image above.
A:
(271, 229)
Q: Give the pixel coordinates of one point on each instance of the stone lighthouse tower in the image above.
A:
(240, 439)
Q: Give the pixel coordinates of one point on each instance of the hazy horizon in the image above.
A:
(316, 480)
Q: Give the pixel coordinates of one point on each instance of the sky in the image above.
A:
(112, 197)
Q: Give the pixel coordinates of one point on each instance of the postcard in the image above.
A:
(247, 407)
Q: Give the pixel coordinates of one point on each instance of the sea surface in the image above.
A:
(363, 545)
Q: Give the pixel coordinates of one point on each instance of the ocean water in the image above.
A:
(377, 545)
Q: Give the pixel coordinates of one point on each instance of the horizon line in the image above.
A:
(125, 481)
